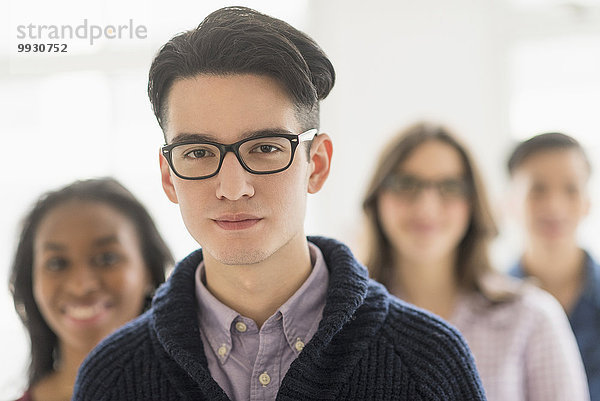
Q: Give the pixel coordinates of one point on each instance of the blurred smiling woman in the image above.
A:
(88, 261)
(429, 226)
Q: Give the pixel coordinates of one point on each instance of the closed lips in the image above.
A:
(236, 217)
(237, 221)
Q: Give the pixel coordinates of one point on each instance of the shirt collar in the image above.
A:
(591, 290)
(301, 313)
(517, 270)
(215, 317)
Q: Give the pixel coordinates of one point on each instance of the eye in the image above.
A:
(402, 184)
(572, 189)
(265, 148)
(538, 189)
(56, 263)
(453, 188)
(106, 259)
(198, 153)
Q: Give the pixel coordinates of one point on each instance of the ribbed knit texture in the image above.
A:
(369, 346)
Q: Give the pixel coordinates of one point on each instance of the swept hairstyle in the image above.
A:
(549, 141)
(239, 40)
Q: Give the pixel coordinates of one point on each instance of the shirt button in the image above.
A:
(241, 327)
(299, 345)
(264, 379)
(222, 351)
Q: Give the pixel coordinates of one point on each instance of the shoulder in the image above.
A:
(593, 273)
(429, 348)
(532, 313)
(26, 396)
(529, 304)
(512, 298)
(414, 329)
(508, 309)
(116, 354)
(409, 329)
(551, 355)
(538, 304)
(409, 347)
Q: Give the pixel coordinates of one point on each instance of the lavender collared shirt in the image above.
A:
(248, 363)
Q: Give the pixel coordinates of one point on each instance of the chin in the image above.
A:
(552, 240)
(236, 257)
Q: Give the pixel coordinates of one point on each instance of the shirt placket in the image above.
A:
(266, 378)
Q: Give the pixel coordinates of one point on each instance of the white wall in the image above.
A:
(396, 61)
(401, 61)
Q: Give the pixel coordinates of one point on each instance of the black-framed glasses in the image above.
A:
(263, 154)
(410, 186)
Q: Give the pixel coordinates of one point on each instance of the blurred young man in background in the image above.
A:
(550, 173)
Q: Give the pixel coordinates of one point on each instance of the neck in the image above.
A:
(58, 385)
(560, 270)
(71, 360)
(430, 285)
(258, 290)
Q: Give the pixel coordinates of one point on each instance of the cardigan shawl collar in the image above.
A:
(175, 329)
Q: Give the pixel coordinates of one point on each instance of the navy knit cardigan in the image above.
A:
(369, 346)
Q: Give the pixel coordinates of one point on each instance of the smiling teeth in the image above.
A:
(83, 312)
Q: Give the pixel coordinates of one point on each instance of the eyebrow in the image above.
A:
(102, 241)
(52, 246)
(109, 239)
(198, 137)
(459, 177)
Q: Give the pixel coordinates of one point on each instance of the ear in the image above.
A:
(321, 151)
(167, 180)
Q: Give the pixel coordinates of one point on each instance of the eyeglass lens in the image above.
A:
(259, 155)
(411, 186)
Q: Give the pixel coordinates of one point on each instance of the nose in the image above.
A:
(232, 179)
(428, 201)
(555, 204)
(82, 280)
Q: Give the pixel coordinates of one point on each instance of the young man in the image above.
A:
(550, 173)
(261, 312)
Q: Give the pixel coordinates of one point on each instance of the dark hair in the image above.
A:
(239, 40)
(472, 260)
(156, 254)
(544, 142)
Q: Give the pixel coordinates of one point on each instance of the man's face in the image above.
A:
(550, 189)
(237, 217)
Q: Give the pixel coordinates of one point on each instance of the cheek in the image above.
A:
(283, 198)
(194, 203)
(461, 216)
(43, 291)
(526, 208)
(188, 196)
(581, 207)
(129, 286)
(391, 213)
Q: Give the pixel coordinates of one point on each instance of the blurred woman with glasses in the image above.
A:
(429, 225)
(88, 261)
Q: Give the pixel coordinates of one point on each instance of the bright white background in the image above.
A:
(496, 71)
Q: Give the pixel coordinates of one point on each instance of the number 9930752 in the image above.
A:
(42, 48)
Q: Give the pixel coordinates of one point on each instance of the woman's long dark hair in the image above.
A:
(472, 258)
(156, 254)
